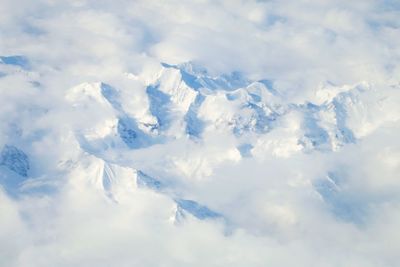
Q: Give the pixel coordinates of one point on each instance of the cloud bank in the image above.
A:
(199, 133)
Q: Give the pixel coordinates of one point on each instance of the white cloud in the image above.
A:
(290, 201)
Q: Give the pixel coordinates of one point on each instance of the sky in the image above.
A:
(318, 186)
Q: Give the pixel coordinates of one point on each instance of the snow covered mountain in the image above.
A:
(183, 125)
(199, 133)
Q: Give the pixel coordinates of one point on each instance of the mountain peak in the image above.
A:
(15, 159)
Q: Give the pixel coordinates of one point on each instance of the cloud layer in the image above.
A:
(276, 145)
